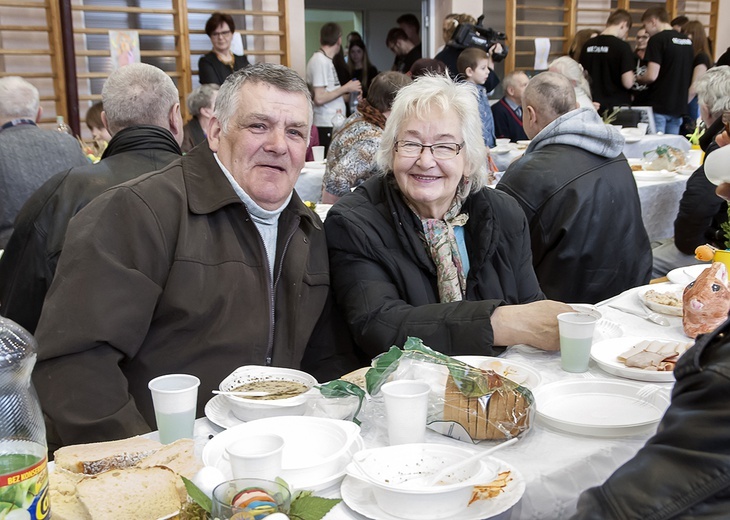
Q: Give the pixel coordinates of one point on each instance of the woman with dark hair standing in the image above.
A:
(359, 65)
(702, 61)
(215, 66)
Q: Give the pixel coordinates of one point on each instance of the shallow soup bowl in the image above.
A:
(248, 409)
(390, 469)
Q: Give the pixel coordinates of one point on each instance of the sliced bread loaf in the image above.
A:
(104, 456)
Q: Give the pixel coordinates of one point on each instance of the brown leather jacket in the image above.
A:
(163, 274)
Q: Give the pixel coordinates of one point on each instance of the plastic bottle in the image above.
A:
(337, 120)
(63, 127)
(23, 450)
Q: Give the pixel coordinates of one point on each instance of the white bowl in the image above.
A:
(502, 141)
(316, 449)
(251, 409)
(389, 469)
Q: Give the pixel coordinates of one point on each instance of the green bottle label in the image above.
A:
(24, 487)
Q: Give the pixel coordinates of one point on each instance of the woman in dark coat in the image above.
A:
(426, 249)
(219, 63)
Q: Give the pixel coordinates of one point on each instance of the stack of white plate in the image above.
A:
(316, 450)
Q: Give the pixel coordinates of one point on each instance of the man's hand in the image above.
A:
(533, 324)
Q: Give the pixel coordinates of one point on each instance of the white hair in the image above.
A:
(18, 98)
(713, 90)
(423, 99)
(138, 94)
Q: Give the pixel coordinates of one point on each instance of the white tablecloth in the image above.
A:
(660, 204)
(309, 184)
(650, 142)
(557, 466)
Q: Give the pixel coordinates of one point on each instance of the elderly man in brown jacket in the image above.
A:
(211, 263)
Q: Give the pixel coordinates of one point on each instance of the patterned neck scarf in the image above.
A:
(371, 114)
(440, 240)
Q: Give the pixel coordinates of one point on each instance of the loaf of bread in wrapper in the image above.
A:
(466, 403)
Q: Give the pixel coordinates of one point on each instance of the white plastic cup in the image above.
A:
(175, 397)
(643, 127)
(576, 338)
(318, 153)
(256, 456)
(406, 409)
(502, 141)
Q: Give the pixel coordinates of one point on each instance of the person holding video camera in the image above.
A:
(468, 32)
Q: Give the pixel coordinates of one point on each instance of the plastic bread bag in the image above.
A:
(465, 402)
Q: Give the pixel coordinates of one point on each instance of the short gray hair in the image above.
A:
(438, 93)
(713, 90)
(138, 94)
(278, 76)
(572, 70)
(510, 80)
(550, 94)
(201, 97)
(18, 98)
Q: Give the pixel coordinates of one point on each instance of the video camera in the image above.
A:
(468, 35)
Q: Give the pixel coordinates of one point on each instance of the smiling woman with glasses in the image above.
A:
(215, 66)
(426, 249)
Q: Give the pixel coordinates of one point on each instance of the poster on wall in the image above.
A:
(124, 47)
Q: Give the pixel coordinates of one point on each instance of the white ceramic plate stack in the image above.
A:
(316, 450)
(599, 407)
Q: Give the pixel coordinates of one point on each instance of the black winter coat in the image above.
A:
(588, 238)
(386, 284)
(29, 263)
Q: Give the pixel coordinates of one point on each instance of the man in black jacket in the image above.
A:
(579, 196)
(701, 212)
(142, 112)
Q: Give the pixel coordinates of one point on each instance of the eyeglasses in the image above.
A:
(438, 150)
(642, 37)
(224, 34)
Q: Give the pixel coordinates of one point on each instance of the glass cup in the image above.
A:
(175, 397)
(406, 409)
(225, 493)
(576, 338)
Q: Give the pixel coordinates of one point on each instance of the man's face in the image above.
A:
(521, 81)
(397, 47)
(266, 142)
(651, 26)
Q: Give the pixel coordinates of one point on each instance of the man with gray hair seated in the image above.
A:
(580, 198)
(29, 155)
(142, 112)
(208, 264)
(201, 103)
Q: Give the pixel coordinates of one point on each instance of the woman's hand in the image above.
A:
(534, 324)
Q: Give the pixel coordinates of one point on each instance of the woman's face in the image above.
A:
(356, 55)
(221, 38)
(642, 38)
(428, 183)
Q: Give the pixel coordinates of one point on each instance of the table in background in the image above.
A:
(660, 205)
(309, 184)
(556, 466)
(650, 142)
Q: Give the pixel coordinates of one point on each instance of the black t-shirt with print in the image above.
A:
(606, 58)
(702, 59)
(672, 51)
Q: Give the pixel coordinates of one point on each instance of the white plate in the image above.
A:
(599, 407)
(218, 411)
(501, 149)
(296, 453)
(685, 275)
(315, 165)
(515, 371)
(654, 175)
(671, 288)
(358, 496)
(631, 139)
(605, 354)
(687, 170)
(607, 329)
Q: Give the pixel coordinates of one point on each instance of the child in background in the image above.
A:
(95, 124)
(473, 66)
